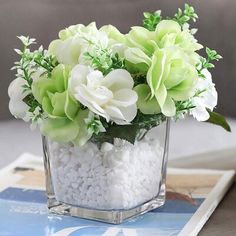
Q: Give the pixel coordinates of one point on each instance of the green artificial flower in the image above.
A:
(168, 33)
(74, 41)
(171, 78)
(53, 95)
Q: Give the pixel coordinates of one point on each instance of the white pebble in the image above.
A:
(116, 176)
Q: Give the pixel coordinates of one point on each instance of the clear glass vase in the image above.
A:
(108, 182)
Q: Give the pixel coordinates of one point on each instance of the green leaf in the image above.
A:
(218, 119)
(135, 131)
(126, 132)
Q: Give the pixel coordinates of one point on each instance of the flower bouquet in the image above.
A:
(103, 100)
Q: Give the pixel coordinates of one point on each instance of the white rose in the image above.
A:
(111, 96)
(206, 99)
(17, 106)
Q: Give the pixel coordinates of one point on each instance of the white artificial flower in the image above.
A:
(70, 50)
(17, 106)
(111, 96)
(207, 99)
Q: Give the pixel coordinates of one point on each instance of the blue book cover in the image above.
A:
(23, 210)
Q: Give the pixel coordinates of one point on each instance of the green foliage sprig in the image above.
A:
(206, 63)
(184, 16)
(151, 20)
(103, 60)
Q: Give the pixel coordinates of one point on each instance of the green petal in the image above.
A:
(61, 130)
(114, 33)
(71, 107)
(144, 103)
(142, 38)
(161, 95)
(53, 46)
(41, 87)
(136, 56)
(167, 27)
(169, 108)
(60, 76)
(58, 101)
(156, 73)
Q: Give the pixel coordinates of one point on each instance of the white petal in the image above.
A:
(210, 98)
(15, 90)
(100, 95)
(124, 97)
(200, 113)
(18, 108)
(69, 51)
(83, 97)
(114, 113)
(118, 79)
(129, 112)
(136, 55)
(207, 74)
(94, 78)
(78, 77)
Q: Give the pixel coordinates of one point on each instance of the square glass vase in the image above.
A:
(109, 182)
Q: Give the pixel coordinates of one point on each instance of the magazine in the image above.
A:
(192, 196)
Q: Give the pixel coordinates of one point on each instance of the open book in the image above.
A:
(192, 196)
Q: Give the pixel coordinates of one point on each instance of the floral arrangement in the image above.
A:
(97, 84)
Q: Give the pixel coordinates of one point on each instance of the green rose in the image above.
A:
(53, 95)
(171, 77)
(65, 122)
(168, 33)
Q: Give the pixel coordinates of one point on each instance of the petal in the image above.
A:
(146, 105)
(156, 72)
(161, 95)
(69, 51)
(18, 108)
(124, 98)
(60, 129)
(71, 107)
(78, 76)
(200, 113)
(129, 112)
(168, 108)
(118, 79)
(136, 56)
(100, 95)
(94, 78)
(114, 113)
(142, 38)
(82, 96)
(15, 90)
(211, 98)
(167, 27)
